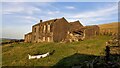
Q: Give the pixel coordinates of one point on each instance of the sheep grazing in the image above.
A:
(38, 56)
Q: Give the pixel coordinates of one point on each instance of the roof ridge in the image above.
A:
(75, 21)
(49, 20)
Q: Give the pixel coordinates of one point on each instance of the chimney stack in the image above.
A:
(40, 21)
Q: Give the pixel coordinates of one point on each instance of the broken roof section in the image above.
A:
(76, 25)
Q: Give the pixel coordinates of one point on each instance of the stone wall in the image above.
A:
(28, 37)
(35, 33)
(60, 29)
(91, 31)
(73, 26)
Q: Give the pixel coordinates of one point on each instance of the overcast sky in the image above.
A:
(18, 17)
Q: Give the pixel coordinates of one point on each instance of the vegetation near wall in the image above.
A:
(109, 29)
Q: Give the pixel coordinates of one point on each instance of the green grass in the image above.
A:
(4, 40)
(17, 54)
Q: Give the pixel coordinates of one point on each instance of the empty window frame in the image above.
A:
(43, 38)
(44, 27)
(49, 28)
(35, 29)
(48, 39)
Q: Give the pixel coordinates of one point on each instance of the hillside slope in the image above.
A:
(109, 27)
(17, 54)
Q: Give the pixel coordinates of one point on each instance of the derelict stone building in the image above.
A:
(57, 30)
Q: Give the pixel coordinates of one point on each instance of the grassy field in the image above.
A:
(5, 40)
(113, 27)
(65, 53)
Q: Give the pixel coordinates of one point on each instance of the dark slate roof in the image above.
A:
(52, 20)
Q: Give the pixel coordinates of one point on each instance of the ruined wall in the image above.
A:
(109, 29)
(35, 33)
(73, 26)
(60, 28)
(46, 34)
(109, 32)
(91, 31)
(28, 37)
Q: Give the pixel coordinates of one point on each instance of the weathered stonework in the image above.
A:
(91, 31)
(57, 30)
(28, 37)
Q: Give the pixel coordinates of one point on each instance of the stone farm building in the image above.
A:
(60, 30)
